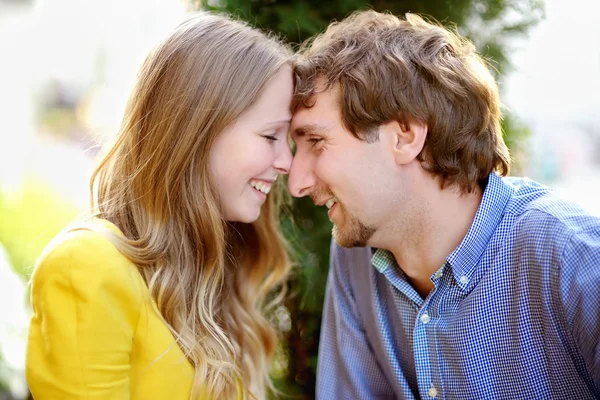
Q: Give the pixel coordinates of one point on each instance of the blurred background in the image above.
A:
(66, 68)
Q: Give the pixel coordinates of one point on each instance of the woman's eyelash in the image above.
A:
(270, 137)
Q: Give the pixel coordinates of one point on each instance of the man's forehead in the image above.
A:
(321, 106)
(323, 111)
(310, 120)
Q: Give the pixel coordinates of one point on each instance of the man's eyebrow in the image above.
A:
(309, 129)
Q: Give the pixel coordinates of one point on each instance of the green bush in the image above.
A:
(30, 218)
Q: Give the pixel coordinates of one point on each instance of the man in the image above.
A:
(447, 280)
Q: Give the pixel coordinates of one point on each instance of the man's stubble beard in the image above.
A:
(353, 233)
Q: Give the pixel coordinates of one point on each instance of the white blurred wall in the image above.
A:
(93, 49)
(555, 90)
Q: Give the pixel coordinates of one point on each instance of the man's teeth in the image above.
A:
(330, 202)
(262, 186)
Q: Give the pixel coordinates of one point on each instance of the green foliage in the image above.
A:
(298, 20)
(515, 135)
(30, 218)
(490, 24)
(309, 231)
(3, 385)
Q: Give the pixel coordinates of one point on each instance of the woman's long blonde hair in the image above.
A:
(213, 281)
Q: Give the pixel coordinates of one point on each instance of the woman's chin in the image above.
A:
(246, 217)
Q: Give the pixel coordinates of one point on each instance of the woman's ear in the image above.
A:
(406, 140)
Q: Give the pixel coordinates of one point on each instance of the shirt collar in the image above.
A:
(381, 259)
(463, 260)
(465, 257)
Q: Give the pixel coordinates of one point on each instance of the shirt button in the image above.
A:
(464, 280)
(432, 392)
(425, 318)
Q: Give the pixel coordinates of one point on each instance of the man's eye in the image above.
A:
(314, 141)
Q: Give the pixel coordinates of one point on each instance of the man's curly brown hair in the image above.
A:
(388, 68)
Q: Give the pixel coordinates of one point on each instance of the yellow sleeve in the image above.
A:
(86, 302)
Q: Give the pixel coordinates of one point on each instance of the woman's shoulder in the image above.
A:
(87, 299)
(83, 257)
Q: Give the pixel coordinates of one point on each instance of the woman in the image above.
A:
(163, 293)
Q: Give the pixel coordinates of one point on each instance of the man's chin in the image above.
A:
(354, 238)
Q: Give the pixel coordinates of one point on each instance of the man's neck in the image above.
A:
(423, 241)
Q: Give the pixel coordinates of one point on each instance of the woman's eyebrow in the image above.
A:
(280, 121)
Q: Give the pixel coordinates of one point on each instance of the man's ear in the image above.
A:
(406, 140)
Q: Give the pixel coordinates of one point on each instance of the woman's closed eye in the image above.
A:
(275, 135)
(271, 138)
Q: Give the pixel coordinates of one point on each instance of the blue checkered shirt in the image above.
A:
(514, 313)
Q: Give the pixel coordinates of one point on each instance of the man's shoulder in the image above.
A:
(351, 260)
(352, 271)
(538, 211)
(527, 195)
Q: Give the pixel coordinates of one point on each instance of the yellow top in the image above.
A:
(95, 332)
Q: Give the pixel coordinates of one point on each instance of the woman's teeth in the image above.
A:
(261, 186)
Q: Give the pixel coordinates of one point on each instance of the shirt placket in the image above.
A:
(425, 346)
